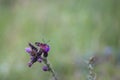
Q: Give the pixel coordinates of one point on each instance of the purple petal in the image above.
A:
(30, 64)
(33, 59)
(47, 48)
(28, 50)
(39, 60)
(45, 68)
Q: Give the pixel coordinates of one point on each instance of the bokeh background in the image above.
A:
(77, 30)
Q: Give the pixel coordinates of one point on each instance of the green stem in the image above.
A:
(50, 68)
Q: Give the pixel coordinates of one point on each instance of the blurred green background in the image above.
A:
(77, 29)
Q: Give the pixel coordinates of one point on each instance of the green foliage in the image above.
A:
(75, 28)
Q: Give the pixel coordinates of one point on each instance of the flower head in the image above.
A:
(30, 64)
(40, 59)
(28, 50)
(37, 53)
(44, 47)
(47, 48)
(45, 68)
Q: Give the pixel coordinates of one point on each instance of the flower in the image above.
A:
(39, 59)
(37, 53)
(45, 68)
(45, 48)
(28, 50)
(30, 64)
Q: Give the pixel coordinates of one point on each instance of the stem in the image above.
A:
(92, 74)
(50, 68)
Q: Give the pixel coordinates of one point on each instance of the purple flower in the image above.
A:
(30, 64)
(28, 50)
(45, 48)
(37, 53)
(39, 59)
(45, 68)
(33, 59)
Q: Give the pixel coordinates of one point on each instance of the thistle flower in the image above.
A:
(30, 64)
(45, 68)
(28, 50)
(40, 54)
(44, 47)
(36, 53)
(40, 59)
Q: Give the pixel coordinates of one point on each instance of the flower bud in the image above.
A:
(39, 60)
(28, 50)
(45, 68)
(30, 64)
